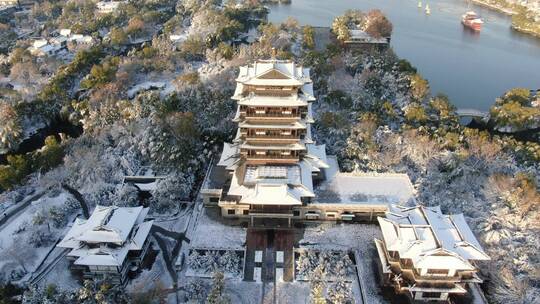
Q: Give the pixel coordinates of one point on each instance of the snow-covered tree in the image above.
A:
(100, 292)
(127, 195)
(169, 192)
(50, 294)
(340, 292)
(196, 290)
(229, 262)
(217, 295)
(19, 253)
(10, 129)
(318, 286)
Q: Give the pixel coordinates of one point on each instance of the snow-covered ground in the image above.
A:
(357, 238)
(61, 276)
(15, 249)
(211, 233)
(165, 86)
(148, 278)
(299, 292)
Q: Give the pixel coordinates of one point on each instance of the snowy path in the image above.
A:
(197, 208)
(11, 213)
(169, 264)
(45, 268)
(360, 277)
(478, 294)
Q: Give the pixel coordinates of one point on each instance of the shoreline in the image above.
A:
(525, 31)
(509, 12)
(501, 9)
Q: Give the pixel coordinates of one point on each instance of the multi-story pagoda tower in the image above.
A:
(274, 112)
(273, 158)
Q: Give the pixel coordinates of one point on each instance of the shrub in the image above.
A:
(308, 37)
(191, 78)
(406, 67)
(419, 87)
(340, 99)
(50, 156)
(415, 114)
(332, 120)
(18, 167)
(193, 48)
(118, 36)
(226, 51)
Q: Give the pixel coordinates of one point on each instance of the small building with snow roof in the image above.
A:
(111, 243)
(427, 254)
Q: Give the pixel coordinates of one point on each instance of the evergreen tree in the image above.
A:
(318, 285)
(340, 293)
(216, 295)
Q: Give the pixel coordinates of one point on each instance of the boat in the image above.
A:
(471, 20)
(428, 10)
(419, 4)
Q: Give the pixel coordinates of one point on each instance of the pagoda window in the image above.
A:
(286, 133)
(260, 152)
(287, 112)
(437, 272)
(260, 111)
(260, 132)
(286, 153)
(431, 295)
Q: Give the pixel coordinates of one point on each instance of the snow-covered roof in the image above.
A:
(122, 227)
(81, 38)
(362, 36)
(107, 224)
(272, 184)
(274, 72)
(102, 256)
(65, 32)
(430, 238)
(108, 6)
(141, 233)
(363, 188)
(273, 101)
(39, 43)
(316, 155)
(272, 194)
(229, 157)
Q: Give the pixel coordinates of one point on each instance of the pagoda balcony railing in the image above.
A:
(288, 157)
(270, 115)
(430, 277)
(271, 137)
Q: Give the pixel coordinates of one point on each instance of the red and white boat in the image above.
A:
(472, 20)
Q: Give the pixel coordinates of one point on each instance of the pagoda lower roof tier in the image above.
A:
(288, 125)
(274, 101)
(292, 147)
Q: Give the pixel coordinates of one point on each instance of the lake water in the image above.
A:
(471, 68)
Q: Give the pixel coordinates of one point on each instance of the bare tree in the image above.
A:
(19, 252)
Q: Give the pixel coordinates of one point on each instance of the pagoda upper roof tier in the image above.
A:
(274, 72)
(306, 92)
